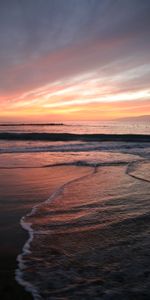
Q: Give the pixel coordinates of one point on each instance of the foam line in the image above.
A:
(26, 248)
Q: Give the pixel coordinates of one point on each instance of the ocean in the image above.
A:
(85, 188)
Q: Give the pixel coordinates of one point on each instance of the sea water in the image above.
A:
(89, 239)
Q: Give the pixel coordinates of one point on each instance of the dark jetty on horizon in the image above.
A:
(33, 136)
(31, 124)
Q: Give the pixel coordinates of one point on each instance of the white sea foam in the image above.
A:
(18, 147)
(26, 248)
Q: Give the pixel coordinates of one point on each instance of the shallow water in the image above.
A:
(90, 239)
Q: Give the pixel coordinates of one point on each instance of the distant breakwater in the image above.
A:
(31, 124)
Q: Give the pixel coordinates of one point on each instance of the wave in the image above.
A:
(65, 147)
(32, 136)
(86, 147)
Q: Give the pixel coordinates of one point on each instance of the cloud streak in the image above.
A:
(71, 53)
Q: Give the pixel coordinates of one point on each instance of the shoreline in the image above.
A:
(27, 188)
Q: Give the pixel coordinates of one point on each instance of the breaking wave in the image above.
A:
(34, 136)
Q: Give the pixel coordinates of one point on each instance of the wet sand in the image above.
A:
(9, 288)
(20, 189)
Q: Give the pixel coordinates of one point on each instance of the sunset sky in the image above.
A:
(74, 59)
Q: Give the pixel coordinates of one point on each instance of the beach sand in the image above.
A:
(20, 190)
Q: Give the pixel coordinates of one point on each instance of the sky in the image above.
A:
(74, 59)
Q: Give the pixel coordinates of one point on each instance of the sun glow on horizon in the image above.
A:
(89, 96)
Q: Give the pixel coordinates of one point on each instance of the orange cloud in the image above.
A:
(88, 96)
